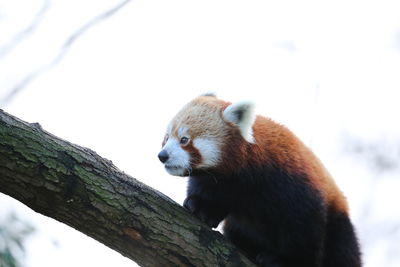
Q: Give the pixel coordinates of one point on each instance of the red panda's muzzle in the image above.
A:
(163, 156)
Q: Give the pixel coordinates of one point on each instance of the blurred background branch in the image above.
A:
(380, 156)
(24, 82)
(30, 29)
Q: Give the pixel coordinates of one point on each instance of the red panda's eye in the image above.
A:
(184, 140)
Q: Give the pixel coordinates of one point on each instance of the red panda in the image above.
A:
(279, 204)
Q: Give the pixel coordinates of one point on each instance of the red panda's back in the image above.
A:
(276, 145)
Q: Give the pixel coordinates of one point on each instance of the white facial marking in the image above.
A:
(209, 151)
(169, 128)
(182, 131)
(178, 162)
(242, 115)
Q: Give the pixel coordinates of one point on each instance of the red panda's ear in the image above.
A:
(209, 94)
(242, 115)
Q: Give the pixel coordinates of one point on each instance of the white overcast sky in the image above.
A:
(329, 70)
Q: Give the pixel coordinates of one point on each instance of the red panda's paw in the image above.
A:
(203, 211)
(190, 204)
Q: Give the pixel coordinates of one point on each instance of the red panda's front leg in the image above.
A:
(207, 211)
(206, 199)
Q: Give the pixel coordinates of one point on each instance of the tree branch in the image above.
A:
(75, 186)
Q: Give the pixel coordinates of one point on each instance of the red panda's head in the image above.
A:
(201, 135)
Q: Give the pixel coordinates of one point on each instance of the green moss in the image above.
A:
(163, 238)
(102, 199)
(55, 167)
(99, 188)
(52, 175)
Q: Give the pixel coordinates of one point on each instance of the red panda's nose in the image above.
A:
(163, 156)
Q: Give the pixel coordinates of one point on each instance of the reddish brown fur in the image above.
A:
(274, 145)
(280, 205)
(278, 146)
(195, 156)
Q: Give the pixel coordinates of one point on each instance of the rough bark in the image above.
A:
(75, 186)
